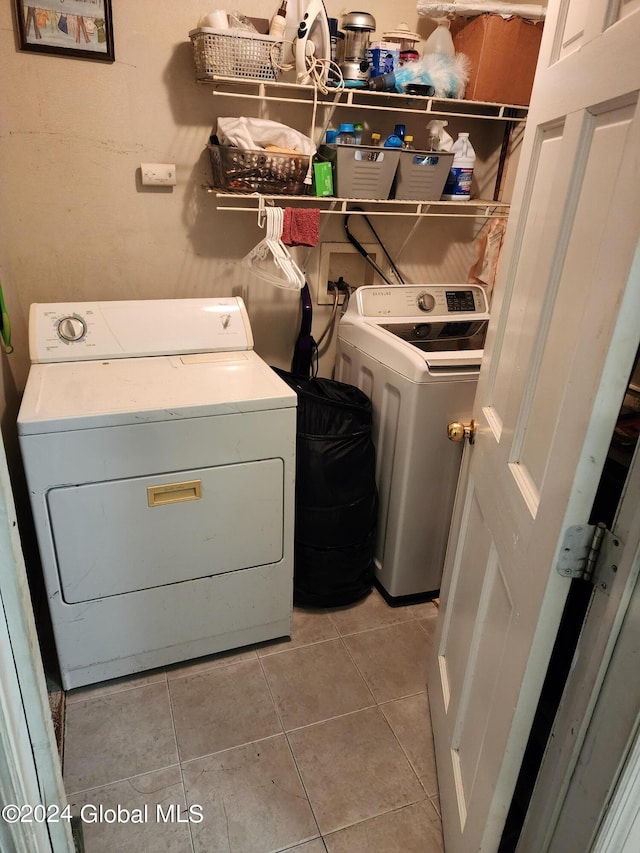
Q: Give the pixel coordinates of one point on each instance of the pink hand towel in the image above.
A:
(301, 226)
(286, 227)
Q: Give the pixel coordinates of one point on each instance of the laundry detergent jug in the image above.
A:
(458, 185)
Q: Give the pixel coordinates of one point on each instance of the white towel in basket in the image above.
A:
(252, 133)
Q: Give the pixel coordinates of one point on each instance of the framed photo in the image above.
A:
(79, 28)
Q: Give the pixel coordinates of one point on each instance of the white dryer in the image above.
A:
(159, 452)
(415, 350)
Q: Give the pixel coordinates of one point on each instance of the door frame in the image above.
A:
(30, 769)
(574, 788)
(620, 831)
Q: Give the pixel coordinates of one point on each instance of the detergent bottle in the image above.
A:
(458, 185)
(440, 40)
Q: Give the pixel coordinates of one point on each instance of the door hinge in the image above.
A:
(588, 553)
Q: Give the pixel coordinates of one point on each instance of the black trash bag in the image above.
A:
(336, 494)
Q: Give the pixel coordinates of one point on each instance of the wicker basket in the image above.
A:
(234, 53)
(241, 170)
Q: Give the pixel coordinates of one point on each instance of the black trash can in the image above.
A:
(336, 494)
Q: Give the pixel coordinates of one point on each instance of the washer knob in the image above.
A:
(72, 328)
(426, 302)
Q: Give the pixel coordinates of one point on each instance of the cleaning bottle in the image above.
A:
(346, 134)
(279, 21)
(458, 185)
(440, 40)
(393, 141)
(400, 130)
(437, 137)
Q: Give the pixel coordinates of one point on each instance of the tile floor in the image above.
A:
(313, 744)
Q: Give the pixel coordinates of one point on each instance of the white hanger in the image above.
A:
(270, 260)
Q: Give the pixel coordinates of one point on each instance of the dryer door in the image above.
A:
(119, 536)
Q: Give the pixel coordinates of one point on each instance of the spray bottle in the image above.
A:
(437, 137)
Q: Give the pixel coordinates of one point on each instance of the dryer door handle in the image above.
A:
(171, 493)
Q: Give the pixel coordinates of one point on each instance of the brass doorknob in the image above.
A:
(457, 431)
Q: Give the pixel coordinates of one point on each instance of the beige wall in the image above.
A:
(77, 225)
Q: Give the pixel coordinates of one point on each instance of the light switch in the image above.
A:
(158, 174)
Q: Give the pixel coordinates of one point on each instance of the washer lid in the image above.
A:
(91, 394)
(80, 331)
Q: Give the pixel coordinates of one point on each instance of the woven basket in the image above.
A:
(242, 170)
(234, 53)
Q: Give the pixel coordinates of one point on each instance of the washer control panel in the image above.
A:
(415, 300)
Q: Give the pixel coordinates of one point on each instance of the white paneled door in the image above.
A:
(565, 330)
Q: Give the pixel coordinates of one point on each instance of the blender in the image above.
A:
(357, 28)
(407, 40)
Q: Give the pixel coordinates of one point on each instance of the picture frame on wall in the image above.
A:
(78, 28)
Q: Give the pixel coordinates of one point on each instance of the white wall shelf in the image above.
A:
(474, 209)
(363, 99)
(366, 100)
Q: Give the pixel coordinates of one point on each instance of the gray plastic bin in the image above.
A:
(421, 175)
(365, 171)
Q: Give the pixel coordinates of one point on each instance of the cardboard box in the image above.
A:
(503, 55)
(383, 56)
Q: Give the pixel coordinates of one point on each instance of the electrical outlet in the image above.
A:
(343, 259)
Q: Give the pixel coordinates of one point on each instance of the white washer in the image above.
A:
(159, 452)
(415, 350)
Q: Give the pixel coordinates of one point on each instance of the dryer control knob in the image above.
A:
(71, 328)
(426, 302)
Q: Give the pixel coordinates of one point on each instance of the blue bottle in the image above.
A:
(346, 135)
(393, 141)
